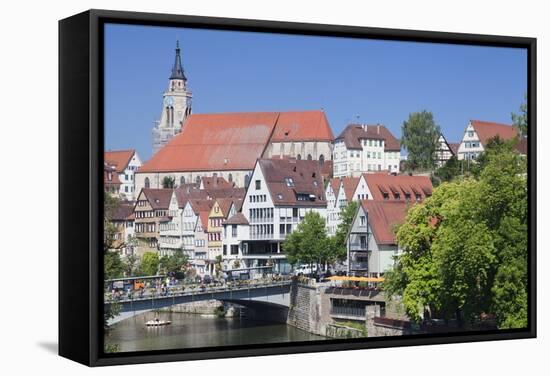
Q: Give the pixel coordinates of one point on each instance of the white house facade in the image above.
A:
(371, 243)
(126, 163)
(278, 197)
(478, 134)
(365, 148)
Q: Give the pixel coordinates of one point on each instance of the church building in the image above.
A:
(188, 147)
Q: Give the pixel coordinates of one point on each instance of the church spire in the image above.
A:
(177, 69)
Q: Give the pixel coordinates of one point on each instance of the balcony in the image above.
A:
(261, 220)
(262, 236)
(359, 248)
(359, 266)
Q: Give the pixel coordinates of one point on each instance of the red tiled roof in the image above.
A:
(486, 130)
(119, 158)
(454, 147)
(350, 185)
(110, 177)
(215, 182)
(233, 193)
(234, 141)
(237, 219)
(335, 184)
(123, 212)
(302, 126)
(186, 193)
(225, 205)
(306, 180)
(203, 217)
(201, 205)
(383, 183)
(354, 133)
(327, 169)
(383, 216)
(158, 198)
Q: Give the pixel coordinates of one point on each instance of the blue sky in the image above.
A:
(379, 81)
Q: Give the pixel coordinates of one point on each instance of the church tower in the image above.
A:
(176, 106)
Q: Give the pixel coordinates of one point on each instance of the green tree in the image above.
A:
(168, 182)
(451, 170)
(520, 120)
(465, 248)
(174, 263)
(218, 265)
(308, 243)
(130, 265)
(112, 265)
(339, 242)
(149, 263)
(420, 136)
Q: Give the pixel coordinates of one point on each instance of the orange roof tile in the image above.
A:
(486, 130)
(234, 141)
(119, 158)
(383, 183)
(302, 126)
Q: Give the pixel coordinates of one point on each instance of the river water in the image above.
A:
(193, 330)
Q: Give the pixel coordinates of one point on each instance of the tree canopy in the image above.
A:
(465, 248)
(174, 263)
(307, 244)
(149, 263)
(346, 215)
(420, 135)
(168, 182)
(520, 120)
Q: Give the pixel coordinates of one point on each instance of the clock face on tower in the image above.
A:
(168, 101)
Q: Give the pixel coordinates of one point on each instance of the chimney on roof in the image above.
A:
(378, 128)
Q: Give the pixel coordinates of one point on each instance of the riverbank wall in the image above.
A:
(311, 310)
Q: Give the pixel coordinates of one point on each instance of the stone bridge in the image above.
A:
(257, 297)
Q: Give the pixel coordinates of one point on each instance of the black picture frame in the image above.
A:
(81, 155)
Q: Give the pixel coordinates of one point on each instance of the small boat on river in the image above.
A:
(157, 322)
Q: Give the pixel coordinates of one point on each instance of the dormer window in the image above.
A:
(289, 182)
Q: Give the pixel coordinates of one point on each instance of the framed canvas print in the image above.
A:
(236, 187)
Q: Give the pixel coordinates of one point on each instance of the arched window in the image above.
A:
(321, 159)
(309, 158)
(215, 175)
(299, 157)
(182, 180)
(198, 179)
(147, 183)
(230, 178)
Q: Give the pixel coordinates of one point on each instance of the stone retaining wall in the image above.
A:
(204, 307)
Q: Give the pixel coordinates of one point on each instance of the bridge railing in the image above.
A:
(175, 291)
